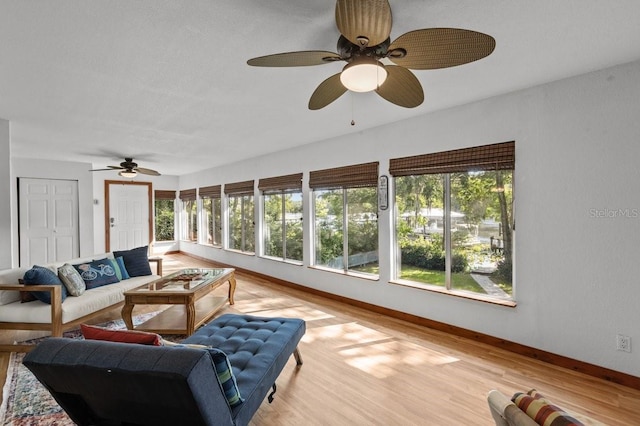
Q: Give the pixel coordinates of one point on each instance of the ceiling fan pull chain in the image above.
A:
(353, 121)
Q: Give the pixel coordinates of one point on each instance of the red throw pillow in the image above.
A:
(91, 332)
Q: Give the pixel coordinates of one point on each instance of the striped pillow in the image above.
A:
(541, 411)
(225, 377)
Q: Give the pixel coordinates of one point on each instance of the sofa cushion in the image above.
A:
(135, 260)
(97, 273)
(542, 412)
(43, 276)
(71, 279)
(91, 332)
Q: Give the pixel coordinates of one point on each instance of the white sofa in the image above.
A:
(59, 316)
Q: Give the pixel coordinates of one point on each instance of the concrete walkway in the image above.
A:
(489, 286)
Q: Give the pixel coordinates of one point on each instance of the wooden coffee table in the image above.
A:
(190, 291)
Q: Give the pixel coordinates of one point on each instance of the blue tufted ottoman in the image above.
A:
(257, 348)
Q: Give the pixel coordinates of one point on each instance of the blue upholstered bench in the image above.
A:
(107, 383)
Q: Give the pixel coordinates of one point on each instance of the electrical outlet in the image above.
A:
(623, 343)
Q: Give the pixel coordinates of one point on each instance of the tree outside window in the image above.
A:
(212, 210)
(241, 223)
(455, 229)
(282, 220)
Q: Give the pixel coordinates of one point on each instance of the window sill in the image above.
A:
(246, 253)
(457, 293)
(279, 259)
(354, 274)
(211, 245)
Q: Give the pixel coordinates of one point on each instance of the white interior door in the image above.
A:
(48, 221)
(128, 216)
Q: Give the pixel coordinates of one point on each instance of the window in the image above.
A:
(212, 214)
(346, 218)
(282, 217)
(454, 219)
(189, 215)
(241, 225)
(164, 215)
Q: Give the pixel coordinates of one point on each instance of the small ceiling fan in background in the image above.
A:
(365, 26)
(129, 169)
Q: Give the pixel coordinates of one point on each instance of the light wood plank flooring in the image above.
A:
(362, 368)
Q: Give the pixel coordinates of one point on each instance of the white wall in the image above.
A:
(577, 149)
(7, 189)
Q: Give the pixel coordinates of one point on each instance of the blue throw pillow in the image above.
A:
(43, 276)
(135, 260)
(123, 269)
(226, 377)
(97, 273)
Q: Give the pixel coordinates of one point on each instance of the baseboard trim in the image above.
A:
(528, 351)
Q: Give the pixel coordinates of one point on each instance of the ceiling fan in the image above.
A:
(129, 169)
(365, 26)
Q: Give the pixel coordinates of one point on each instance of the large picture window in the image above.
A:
(164, 215)
(241, 225)
(282, 217)
(346, 218)
(212, 214)
(189, 215)
(454, 219)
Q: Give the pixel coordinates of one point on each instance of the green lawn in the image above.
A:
(460, 281)
(411, 273)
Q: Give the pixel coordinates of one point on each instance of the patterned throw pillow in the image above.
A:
(97, 273)
(43, 276)
(541, 411)
(226, 377)
(71, 280)
(91, 332)
(135, 260)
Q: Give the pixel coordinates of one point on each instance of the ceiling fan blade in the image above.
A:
(401, 87)
(146, 171)
(115, 167)
(435, 48)
(295, 59)
(101, 170)
(364, 22)
(327, 92)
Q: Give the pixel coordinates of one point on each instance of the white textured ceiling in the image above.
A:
(167, 82)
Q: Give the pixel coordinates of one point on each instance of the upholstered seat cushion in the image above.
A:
(251, 343)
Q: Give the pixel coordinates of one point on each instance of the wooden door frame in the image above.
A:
(107, 205)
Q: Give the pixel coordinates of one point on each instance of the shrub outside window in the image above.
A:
(454, 227)
(164, 215)
(345, 218)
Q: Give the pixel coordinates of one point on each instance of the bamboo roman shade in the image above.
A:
(239, 188)
(499, 156)
(281, 183)
(165, 195)
(214, 191)
(356, 176)
(188, 194)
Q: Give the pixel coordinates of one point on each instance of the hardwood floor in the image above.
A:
(362, 368)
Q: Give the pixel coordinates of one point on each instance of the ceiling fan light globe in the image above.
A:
(128, 174)
(363, 75)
